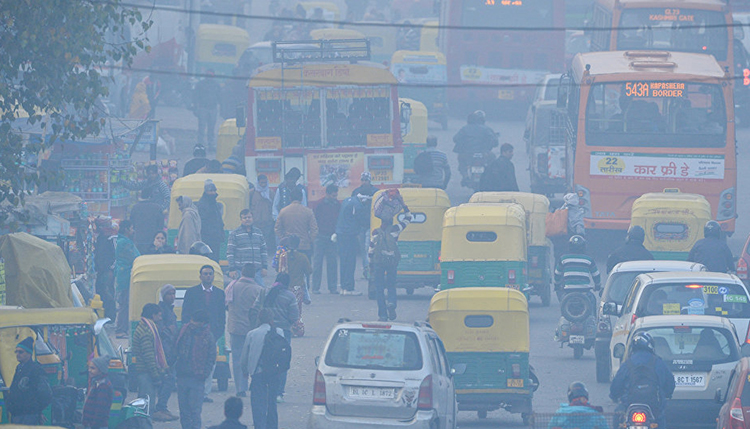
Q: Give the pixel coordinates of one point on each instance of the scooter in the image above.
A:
(136, 414)
(639, 416)
(577, 325)
(479, 162)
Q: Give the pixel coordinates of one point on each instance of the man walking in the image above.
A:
(261, 204)
(210, 299)
(241, 295)
(299, 220)
(206, 100)
(195, 360)
(29, 393)
(168, 332)
(212, 218)
(432, 166)
(147, 218)
(326, 215)
(367, 189)
(150, 360)
(246, 245)
(385, 257)
(283, 195)
(353, 218)
(500, 175)
(190, 225)
(125, 254)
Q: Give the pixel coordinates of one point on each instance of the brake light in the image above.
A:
(319, 389)
(632, 319)
(425, 394)
(638, 417)
(683, 329)
(736, 416)
(747, 335)
(516, 367)
(512, 276)
(694, 286)
(451, 276)
(742, 268)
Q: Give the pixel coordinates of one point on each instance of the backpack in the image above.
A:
(386, 251)
(276, 356)
(644, 385)
(423, 165)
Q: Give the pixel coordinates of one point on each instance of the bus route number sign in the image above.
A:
(655, 89)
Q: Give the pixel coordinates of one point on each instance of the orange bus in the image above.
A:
(648, 121)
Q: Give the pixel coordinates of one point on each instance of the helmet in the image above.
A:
(201, 248)
(636, 234)
(643, 341)
(712, 229)
(577, 390)
(577, 244)
(480, 116)
(199, 151)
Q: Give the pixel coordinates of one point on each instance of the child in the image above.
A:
(298, 267)
(384, 257)
(100, 394)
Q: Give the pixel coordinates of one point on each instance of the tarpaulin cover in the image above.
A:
(37, 275)
(53, 203)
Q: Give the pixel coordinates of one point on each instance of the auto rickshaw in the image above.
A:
(229, 136)
(419, 243)
(234, 194)
(218, 47)
(64, 340)
(151, 272)
(413, 133)
(484, 245)
(673, 222)
(540, 259)
(428, 69)
(486, 330)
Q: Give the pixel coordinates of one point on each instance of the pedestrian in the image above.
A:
(212, 218)
(385, 257)
(578, 413)
(285, 310)
(633, 250)
(500, 174)
(474, 137)
(211, 299)
(99, 395)
(189, 230)
(104, 264)
(125, 254)
(326, 215)
(158, 189)
(147, 218)
(148, 353)
(265, 382)
(283, 195)
(712, 251)
(366, 187)
(232, 414)
(159, 245)
(235, 164)
(213, 166)
(369, 190)
(643, 378)
(297, 219)
(297, 265)
(247, 246)
(261, 204)
(29, 393)
(195, 359)
(353, 218)
(197, 162)
(432, 166)
(168, 332)
(241, 295)
(206, 100)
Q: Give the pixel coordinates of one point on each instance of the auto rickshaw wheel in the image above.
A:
(223, 384)
(482, 414)
(577, 352)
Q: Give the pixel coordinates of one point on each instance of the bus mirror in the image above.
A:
(739, 31)
(240, 118)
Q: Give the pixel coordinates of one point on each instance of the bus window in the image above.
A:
(672, 29)
(656, 114)
(353, 114)
(513, 13)
(296, 119)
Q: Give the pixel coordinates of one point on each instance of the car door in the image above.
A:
(439, 376)
(451, 407)
(622, 326)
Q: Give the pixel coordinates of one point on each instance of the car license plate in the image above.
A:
(515, 382)
(477, 170)
(371, 392)
(515, 286)
(505, 94)
(577, 339)
(689, 380)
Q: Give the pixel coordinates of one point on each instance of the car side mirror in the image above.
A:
(317, 360)
(717, 396)
(619, 351)
(745, 349)
(610, 309)
(458, 369)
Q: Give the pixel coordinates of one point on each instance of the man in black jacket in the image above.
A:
(633, 250)
(29, 393)
(474, 137)
(212, 219)
(712, 251)
(500, 175)
(210, 299)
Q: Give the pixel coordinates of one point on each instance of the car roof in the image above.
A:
(696, 320)
(697, 276)
(657, 266)
(393, 326)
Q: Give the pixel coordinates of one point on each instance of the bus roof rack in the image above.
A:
(351, 50)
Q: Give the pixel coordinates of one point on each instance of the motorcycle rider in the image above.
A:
(643, 379)
(632, 250)
(474, 137)
(576, 270)
(575, 414)
(712, 251)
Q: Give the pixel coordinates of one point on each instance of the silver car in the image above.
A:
(383, 374)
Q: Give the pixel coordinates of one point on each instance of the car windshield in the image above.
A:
(618, 285)
(374, 349)
(703, 344)
(726, 300)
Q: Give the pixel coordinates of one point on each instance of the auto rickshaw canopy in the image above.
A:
(535, 205)
(234, 194)
(216, 43)
(229, 136)
(481, 319)
(427, 205)
(416, 130)
(484, 232)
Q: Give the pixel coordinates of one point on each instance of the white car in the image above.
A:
(382, 375)
(679, 293)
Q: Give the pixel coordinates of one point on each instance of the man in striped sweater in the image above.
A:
(246, 245)
(576, 270)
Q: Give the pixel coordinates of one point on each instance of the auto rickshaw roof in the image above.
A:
(227, 182)
(668, 203)
(181, 271)
(222, 32)
(659, 64)
(364, 73)
(485, 214)
(11, 317)
(479, 299)
(422, 197)
(417, 107)
(535, 203)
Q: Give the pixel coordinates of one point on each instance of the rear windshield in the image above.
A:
(727, 300)
(699, 344)
(618, 285)
(374, 349)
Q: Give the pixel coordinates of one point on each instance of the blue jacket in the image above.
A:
(618, 390)
(353, 217)
(570, 417)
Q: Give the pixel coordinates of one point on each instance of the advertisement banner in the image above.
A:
(342, 169)
(627, 165)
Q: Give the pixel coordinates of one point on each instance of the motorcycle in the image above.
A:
(577, 325)
(478, 163)
(639, 416)
(136, 414)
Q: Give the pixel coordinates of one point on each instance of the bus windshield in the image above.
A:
(508, 13)
(673, 29)
(656, 114)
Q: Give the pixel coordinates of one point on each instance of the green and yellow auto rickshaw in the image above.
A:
(429, 70)
(218, 47)
(419, 244)
(484, 245)
(486, 331)
(540, 258)
(413, 133)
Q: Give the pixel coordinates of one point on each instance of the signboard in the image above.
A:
(342, 169)
(268, 143)
(488, 75)
(380, 140)
(655, 166)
